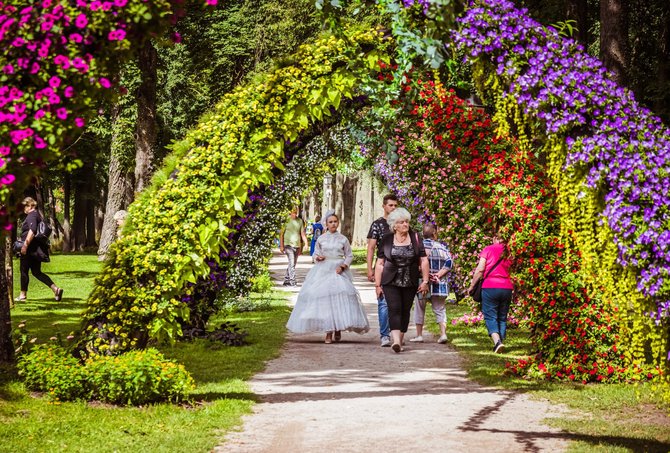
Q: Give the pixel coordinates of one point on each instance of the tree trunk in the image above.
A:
(146, 132)
(349, 193)
(91, 206)
(52, 214)
(578, 11)
(67, 228)
(6, 346)
(614, 37)
(662, 104)
(120, 184)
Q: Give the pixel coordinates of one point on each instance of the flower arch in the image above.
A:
(182, 235)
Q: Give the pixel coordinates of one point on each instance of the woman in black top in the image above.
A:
(33, 252)
(401, 256)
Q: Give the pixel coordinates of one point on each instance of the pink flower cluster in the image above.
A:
(57, 56)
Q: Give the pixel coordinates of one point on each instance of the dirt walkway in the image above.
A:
(354, 396)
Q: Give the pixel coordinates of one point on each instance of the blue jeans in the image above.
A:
(495, 306)
(383, 311)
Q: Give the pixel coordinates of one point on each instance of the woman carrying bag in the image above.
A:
(33, 252)
(496, 290)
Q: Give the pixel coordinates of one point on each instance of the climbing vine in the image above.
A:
(188, 213)
(607, 160)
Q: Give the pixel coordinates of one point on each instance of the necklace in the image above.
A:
(401, 240)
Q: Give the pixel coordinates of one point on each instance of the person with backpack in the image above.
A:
(34, 250)
(496, 290)
(317, 231)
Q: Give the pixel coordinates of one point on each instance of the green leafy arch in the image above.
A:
(183, 224)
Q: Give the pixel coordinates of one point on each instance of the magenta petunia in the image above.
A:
(54, 82)
(62, 60)
(39, 142)
(79, 122)
(5, 150)
(8, 179)
(116, 35)
(81, 21)
(104, 82)
(61, 113)
(68, 92)
(76, 38)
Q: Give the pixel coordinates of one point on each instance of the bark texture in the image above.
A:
(146, 132)
(614, 37)
(119, 187)
(578, 11)
(67, 228)
(6, 346)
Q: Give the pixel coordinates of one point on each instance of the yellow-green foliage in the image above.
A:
(186, 217)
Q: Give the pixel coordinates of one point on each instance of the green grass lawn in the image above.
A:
(604, 418)
(222, 396)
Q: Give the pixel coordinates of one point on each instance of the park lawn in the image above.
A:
(221, 397)
(602, 418)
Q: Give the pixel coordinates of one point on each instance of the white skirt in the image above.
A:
(328, 301)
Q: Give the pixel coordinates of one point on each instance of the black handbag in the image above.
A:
(18, 245)
(476, 292)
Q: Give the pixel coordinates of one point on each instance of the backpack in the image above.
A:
(43, 232)
(317, 231)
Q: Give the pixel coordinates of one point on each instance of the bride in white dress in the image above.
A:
(328, 301)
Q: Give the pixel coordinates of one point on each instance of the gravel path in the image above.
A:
(354, 396)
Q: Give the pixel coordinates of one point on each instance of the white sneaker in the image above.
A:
(418, 339)
(442, 339)
(386, 342)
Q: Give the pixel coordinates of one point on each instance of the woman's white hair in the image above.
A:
(397, 215)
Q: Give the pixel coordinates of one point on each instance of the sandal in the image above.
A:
(338, 335)
(59, 294)
(20, 299)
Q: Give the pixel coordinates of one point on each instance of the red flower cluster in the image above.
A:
(467, 178)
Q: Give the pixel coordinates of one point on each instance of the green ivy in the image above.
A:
(186, 215)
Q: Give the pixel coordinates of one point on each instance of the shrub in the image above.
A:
(51, 369)
(360, 256)
(262, 283)
(137, 377)
(134, 378)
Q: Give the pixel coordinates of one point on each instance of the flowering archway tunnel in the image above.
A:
(569, 166)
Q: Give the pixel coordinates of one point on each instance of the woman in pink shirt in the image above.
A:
(496, 290)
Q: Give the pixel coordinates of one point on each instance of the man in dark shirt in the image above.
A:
(377, 230)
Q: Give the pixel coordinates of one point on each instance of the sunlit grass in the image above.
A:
(603, 418)
(30, 423)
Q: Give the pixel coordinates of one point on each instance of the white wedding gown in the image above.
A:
(329, 301)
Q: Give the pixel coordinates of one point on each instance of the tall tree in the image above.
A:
(146, 132)
(6, 346)
(614, 38)
(120, 181)
(578, 11)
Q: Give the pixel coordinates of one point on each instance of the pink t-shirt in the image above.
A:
(499, 277)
